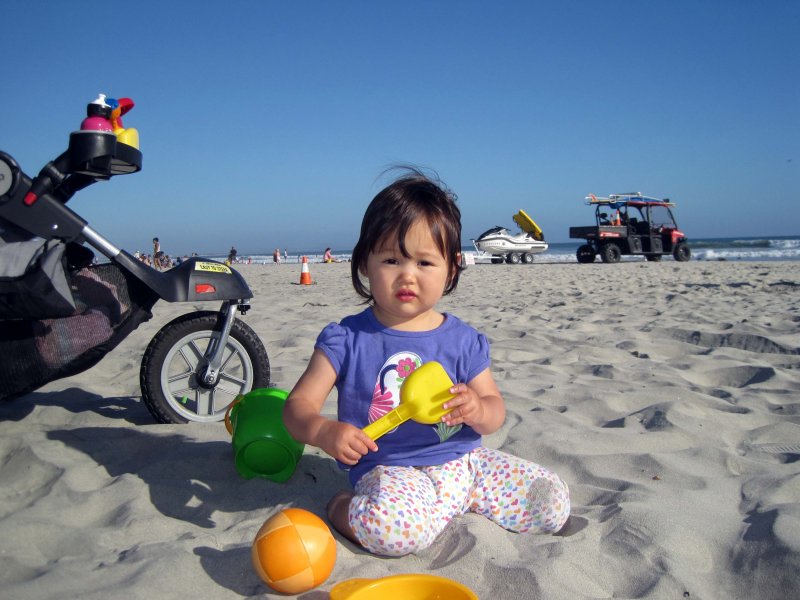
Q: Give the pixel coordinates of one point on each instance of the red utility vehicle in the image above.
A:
(631, 224)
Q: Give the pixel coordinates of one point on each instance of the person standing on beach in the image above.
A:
(276, 256)
(156, 254)
(407, 488)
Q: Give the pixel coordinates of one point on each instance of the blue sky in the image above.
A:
(269, 124)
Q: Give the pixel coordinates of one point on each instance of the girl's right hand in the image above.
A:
(344, 442)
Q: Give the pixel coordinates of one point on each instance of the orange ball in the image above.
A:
(294, 551)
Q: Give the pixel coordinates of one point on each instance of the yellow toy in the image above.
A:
(129, 136)
(294, 551)
(421, 397)
(407, 587)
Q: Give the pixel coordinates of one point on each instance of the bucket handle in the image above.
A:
(228, 424)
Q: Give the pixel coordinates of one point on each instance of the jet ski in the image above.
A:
(502, 245)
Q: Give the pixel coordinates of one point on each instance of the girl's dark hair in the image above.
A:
(395, 209)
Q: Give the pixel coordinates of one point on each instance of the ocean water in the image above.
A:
(776, 248)
(707, 249)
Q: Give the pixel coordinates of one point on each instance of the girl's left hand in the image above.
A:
(466, 407)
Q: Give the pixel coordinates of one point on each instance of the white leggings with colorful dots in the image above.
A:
(400, 510)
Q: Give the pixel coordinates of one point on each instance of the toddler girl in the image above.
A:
(418, 477)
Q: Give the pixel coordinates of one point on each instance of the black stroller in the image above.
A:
(61, 312)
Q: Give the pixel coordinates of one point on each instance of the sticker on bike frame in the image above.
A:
(211, 267)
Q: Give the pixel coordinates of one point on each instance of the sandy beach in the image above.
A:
(667, 395)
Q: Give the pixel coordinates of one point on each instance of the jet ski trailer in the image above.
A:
(500, 245)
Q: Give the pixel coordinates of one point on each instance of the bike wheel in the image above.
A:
(173, 364)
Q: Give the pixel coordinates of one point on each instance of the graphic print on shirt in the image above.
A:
(386, 394)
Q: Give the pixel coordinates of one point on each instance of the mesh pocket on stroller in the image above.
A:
(109, 305)
(33, 278)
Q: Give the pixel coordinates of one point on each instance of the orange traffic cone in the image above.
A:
(305, 274)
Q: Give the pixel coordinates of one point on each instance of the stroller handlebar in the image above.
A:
(98, 151)
(101, 149)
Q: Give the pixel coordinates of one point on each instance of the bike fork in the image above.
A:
(215, 351)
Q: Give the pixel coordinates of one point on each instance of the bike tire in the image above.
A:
(169, 376)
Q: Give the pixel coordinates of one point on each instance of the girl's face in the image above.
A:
(406, 289)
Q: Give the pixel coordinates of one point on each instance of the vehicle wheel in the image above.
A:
(610, 253)
(653, 257)
(682, 253)
(174, 361)
(585, 254)
(514, 258)
(527, 258)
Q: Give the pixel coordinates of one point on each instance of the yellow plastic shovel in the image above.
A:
(421, 397)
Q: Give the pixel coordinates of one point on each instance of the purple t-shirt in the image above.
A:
(372, 361)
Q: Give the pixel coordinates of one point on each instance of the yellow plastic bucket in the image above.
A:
(407, 587)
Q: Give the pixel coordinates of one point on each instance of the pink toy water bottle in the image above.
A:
(98, 116)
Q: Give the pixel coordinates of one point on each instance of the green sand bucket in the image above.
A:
(262, 446)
